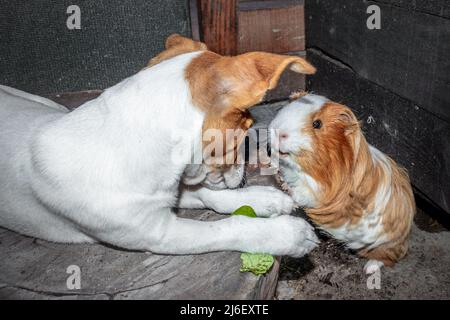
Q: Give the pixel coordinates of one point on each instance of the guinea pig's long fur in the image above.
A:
(350, 189)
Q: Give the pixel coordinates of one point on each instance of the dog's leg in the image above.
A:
(142, 222)
(266, 201)
(283, 235)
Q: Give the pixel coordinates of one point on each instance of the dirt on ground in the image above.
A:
(333, 272)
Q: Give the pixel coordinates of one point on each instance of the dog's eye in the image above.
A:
(317, 124)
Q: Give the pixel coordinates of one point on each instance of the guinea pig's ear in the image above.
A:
(347, 117)
(176, 45)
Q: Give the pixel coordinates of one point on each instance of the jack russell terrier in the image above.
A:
(111, 171)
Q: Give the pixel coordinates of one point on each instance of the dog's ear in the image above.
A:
(219, 83)
(271, 66)
(225, 87)
(176, 45)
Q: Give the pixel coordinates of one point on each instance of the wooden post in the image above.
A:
(231, 27)
(218, 25)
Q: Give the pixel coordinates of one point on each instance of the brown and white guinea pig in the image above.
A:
(348, 188)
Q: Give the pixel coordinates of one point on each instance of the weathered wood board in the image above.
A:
(36, 269)
(440, 8)
(277, 30)
(218, 25)
(409, 55)
(239, 26)
(415, 138)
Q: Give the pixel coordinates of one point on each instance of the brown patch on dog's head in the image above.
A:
(176, 45)
(232, 127)
(225, 87)
(219, 84)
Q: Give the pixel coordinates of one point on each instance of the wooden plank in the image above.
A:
(271, 26)
(277, 30)
(251, 5)
(36, 269)
(408, 55)
(218, 25)
(411, 135)
(195, 21)
(440, 8)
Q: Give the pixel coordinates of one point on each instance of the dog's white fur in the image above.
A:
(110, 171)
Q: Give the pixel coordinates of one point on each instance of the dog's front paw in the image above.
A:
(268, 201)
(305, 237)
(297, 236)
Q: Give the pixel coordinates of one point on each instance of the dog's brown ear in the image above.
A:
(222, 83)
(271, 66)
(225, 87)
(176, 45)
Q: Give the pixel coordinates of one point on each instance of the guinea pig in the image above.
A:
(348, 188)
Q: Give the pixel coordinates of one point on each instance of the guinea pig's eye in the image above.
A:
(317, 124)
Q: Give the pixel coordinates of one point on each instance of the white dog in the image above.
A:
(111, 170)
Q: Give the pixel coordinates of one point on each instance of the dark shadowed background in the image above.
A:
(39, 54)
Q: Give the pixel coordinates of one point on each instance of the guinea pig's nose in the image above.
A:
(276, 138)
(278, 135)
(272, 137)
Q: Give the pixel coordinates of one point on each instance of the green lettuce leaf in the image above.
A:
(245, 211)
(257, 263)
